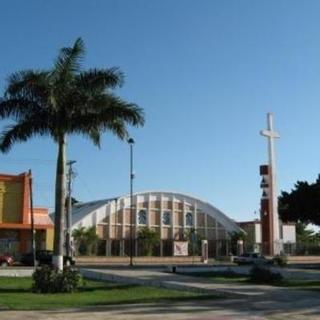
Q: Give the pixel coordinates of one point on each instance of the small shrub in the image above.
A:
(49, 280)
(280, 260)
(259, 274)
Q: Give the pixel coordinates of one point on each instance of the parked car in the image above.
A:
(251, 258)
(43, 257)
(6, 261)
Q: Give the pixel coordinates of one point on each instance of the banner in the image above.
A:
(180, 248)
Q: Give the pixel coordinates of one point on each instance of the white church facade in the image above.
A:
(172, 215)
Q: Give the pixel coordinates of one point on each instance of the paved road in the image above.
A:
(158, 278)
(230, 309)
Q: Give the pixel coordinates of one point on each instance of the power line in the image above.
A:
(40, 161)
(85, 185)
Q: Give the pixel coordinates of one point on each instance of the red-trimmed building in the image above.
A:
(15, 217)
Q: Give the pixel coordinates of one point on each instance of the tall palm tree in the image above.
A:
(62, 101)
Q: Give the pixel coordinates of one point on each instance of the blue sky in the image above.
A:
(206, 73)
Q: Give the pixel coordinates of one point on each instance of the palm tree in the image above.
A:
(62, 101)
(147, 238)
(85, 238)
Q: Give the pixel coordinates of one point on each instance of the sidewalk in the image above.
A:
(175, 281)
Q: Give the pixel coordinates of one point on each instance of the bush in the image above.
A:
(49, 280)
(280, 260)
(259, 274)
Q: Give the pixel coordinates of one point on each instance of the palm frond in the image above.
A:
(18, 108)
(105, 113)
(21, 132)
(114, 107)
(118, 128)
(69, 60)
(28, 84)
(99, 79)
(94, 136)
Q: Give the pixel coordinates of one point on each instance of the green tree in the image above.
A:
(91, 239)
(306, 236)
(78, 236)
(85, 240)
(308, 241)
(301, 204)
(194, 241)
(61, 101)
(147, 238)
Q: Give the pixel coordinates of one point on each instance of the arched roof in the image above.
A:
(83, 209)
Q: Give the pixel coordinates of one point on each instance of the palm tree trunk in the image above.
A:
(60, 204)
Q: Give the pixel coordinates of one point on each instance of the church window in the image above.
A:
(189, 219)
(142, 217)
(166, 218)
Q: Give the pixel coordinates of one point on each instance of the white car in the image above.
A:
(251, 258)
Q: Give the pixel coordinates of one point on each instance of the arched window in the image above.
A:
(166, 218)
(142, 217)
(189, 219)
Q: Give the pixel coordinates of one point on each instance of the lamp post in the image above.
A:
(131, 143)
(33, 230)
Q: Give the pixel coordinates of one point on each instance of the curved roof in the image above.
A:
(83, 209)
(203, 205)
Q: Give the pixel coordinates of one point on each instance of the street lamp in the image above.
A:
(131, 143)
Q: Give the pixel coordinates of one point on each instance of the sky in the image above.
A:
(205, 72)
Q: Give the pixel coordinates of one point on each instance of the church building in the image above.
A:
(172, 215)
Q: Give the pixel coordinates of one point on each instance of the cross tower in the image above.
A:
(271, 242)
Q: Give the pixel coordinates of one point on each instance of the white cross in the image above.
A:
(271, 135)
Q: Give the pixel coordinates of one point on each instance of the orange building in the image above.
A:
(15, 217)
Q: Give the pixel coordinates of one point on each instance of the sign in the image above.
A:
(180, 248)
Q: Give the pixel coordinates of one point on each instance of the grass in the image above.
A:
(221, 277)
(300, 284)
(231, 277)
(15, 294)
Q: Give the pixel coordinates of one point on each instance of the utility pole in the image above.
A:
(33, 231)
(131, 143)
(70, 176)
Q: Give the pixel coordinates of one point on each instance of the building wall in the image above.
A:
(49, 239)
(289, 233)
(114, 219)
(254, 239)
(258, 235)
(11, 200)
(15, 219)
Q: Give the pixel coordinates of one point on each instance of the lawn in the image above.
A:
(15, 294)
(300, 284)
(221, 277)
(229, 277)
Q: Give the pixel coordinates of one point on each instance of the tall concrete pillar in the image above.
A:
(108, 247)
